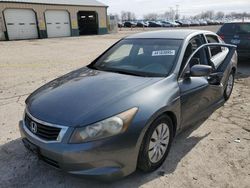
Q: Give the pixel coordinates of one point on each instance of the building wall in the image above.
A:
(2, 35)
(41, 8)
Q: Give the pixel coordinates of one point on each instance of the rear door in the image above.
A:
(218, 55)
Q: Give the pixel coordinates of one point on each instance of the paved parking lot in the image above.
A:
(203, 156)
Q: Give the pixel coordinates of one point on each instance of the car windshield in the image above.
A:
(141, 57)
(234, 28)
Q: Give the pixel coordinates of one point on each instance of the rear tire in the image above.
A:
(156, 144)
(230, 84)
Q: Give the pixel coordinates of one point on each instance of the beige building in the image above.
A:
(30, 19)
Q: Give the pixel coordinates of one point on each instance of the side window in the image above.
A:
(199, 57)
(213, 50)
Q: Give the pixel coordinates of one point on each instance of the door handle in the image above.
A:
(215, 78)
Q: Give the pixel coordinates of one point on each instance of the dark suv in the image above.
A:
(237, 33)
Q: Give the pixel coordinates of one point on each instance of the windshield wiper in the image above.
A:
(92, 67)
(129, 73)
(122, 71)
(125, 71)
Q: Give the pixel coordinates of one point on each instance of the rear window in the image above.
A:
(239, 28)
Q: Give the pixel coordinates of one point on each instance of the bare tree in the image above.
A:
(219, 15)
(171, 14)
(210, 14)
(238, 15)
(123, 16)
(151, 16)
(177, 16)
(205, 15)
(116, 16)
(128, 16)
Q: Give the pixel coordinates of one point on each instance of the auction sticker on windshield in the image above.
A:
(163, 52)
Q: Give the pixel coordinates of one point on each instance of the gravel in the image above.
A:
(205, 155)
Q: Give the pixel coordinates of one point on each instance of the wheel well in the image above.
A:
(173, 118)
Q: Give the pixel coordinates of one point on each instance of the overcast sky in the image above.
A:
(187, 7)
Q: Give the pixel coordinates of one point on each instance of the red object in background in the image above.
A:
(222, 37)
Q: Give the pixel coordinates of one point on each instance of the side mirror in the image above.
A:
(200, 70)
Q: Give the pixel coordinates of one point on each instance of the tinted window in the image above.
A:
(232, 28)
(145, 57)
(213, 39)
(199, 57)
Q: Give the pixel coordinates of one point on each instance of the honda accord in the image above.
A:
(123, 110)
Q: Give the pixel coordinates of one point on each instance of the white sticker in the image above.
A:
(163, 52)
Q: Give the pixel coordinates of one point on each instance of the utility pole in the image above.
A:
(171, 13)
(177, 12)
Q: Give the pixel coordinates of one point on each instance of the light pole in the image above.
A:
(177, 12)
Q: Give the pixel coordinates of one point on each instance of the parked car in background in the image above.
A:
(195, 23)
(179, 22)
(120, 24)
(154, 24)
(211, 22)
(142, 24)
(237, 33)
(123, 110)
(169, 24)
(216, 22)
(203, 22)
(174, 24)
(166, 24)
(129, 24)
(185, 23)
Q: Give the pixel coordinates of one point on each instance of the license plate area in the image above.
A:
(32, 147)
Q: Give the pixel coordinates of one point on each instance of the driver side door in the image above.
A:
(200, 95)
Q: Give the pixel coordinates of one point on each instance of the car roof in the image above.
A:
(168, 34)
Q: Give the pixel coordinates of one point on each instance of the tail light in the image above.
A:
(222, 37)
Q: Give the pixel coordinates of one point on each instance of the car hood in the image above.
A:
(79, 94)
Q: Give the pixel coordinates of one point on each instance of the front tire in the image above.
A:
(229, 88)
(156, 144)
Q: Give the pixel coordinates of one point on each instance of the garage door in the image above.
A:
(21, 24)
(58, 23)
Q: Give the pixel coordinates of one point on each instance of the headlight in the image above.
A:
(106, 128)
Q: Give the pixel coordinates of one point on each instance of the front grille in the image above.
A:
(44, 132)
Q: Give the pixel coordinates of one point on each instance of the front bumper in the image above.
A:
(106, 159)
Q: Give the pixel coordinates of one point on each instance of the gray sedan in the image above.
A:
(123, 110)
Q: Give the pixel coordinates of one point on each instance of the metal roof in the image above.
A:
(59, 2)
(168, 34)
